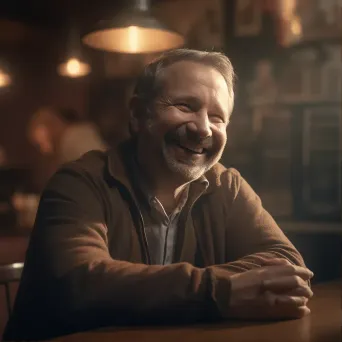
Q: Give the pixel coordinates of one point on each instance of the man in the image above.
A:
(158, 231)
(61, 133)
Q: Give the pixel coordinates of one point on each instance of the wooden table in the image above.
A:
(323, 325)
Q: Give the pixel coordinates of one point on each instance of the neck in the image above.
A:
(169, 198)
(167, 191)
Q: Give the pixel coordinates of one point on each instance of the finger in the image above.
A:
(282, 307)
(288, 312)
(293, 301)
(303, 311)
(283, 270)
(284, 300)
(276, 261)
(304, 291)
(282, 284)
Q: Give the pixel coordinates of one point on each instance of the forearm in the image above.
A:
(136, 292)
(260, 259)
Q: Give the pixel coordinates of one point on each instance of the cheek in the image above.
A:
(220, 137)
(163, 121)
(170, 117)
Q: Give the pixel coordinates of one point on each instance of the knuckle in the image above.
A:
(307, 291)
(292, 269)
(297, 280)
(302, 301)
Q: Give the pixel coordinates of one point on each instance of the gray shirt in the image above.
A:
(161, 229)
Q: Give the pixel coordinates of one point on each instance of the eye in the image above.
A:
(184, 107)
(216, 119)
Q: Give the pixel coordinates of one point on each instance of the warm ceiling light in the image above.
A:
(74, 68)
(5, 79)
(133, 30)
(296, 27)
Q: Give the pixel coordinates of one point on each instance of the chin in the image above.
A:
(187, 172)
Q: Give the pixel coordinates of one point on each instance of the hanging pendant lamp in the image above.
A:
(74, 65)
(133, 30)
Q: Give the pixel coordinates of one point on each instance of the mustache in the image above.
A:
(181, 136)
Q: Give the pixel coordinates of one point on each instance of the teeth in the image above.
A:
(191, 149)
(195, 150)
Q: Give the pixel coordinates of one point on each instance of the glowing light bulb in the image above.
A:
(73, 66)
(133, 38)
(5, 79)
(296, 27)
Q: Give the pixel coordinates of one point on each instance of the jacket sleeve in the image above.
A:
(253, 236)
(71, 281)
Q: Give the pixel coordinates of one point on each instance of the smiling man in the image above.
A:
(157, 231)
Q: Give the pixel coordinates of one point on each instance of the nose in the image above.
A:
(200, 126)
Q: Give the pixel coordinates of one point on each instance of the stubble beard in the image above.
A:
(187, 171)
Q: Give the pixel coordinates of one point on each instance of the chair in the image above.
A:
(10, 273)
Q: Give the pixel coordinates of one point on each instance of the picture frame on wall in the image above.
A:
(208, 30)
(302, 79)
(248, 18)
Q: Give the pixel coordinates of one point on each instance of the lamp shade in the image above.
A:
(133, 31)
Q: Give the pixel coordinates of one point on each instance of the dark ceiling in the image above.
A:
(51, 13)
(56, 13)
(27, 21)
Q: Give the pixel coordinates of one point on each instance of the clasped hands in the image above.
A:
(278, 290)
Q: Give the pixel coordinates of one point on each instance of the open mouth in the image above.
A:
(194, 150)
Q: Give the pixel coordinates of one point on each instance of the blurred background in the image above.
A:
(67, 69)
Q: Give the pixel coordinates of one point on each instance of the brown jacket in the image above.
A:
(87, 265)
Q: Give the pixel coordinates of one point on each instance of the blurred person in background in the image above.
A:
(63, 134)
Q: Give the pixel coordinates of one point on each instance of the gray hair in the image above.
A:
(147, 86)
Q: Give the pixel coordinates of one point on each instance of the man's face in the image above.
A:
(185, 134)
